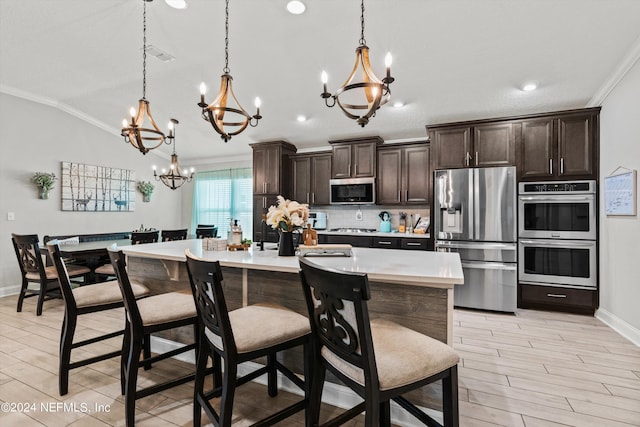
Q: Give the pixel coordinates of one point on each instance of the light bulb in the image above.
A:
(125, 124)
(153, 167)
(388, 60)
(257, 102)
(203, 88)
(324, 77)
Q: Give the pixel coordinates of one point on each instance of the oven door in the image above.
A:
(569, 263)
(557, 217)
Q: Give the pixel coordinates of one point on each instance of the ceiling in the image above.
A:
(452, 60)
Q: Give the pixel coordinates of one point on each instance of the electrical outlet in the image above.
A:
(358, 215)
(11, 216)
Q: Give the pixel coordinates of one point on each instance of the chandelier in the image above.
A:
(134, 132)
(226, 118)
(367, 94)
(174, 178)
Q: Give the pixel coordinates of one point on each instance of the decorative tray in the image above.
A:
(325, 250)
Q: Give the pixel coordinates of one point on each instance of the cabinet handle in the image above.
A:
(399, 195)
(264, 202)
(356, 170)
(556, 295)
(413, 244)
(550, 166)
(349, 170)
(313, 198)
(466, 159)
(476, 158)
(382, 242)
(561, 165)
(307, 198)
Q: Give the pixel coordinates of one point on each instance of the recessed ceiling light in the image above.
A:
(301, 118)
(398, 104)
(296, 7)
(177, 4)
(528, 87)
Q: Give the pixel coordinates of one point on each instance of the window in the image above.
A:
(222, 196)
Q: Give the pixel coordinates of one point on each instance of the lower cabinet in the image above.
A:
(553, 298)
(377, 241)
(356, 241)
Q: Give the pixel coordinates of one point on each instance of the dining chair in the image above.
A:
(378, 359)
(80, 301)
(203, 231)
(234, 337)
(139, 237)
(145, 317)
(170, 235)
(33, 270)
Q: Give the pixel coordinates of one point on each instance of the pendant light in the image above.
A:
(134, 132)
(368, 93)
(225, 113)
(174, 177)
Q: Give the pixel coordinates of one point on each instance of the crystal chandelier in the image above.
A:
(226, 118)
(367, 94)
(173, 178)
(134, 132)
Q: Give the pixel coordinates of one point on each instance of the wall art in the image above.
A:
(97, 188)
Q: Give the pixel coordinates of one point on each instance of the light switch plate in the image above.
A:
(11, 216)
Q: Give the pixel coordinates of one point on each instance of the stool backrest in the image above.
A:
(138, 237)
(63, 275)
(337, 306)
(120, 266)
(206, 231)
(170, 235)
(28, 254)
(206, 284)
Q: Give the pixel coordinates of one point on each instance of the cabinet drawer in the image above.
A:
(386, 242)
(557, 298)
(414, 244)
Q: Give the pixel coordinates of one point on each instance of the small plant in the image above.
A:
(146, 188)
(44, 181)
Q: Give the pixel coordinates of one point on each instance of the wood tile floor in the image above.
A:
(534, 369)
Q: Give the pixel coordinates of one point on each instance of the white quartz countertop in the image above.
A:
(422, 268)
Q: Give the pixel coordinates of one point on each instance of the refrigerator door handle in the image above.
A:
(490, 265)
(474, 223)
(459, 245)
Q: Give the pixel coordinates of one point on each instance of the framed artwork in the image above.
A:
(620, 193)
(88, 188)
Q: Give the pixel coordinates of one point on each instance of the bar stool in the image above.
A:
(79, 301)
(33, 270)
(378, 359)
(145, 317)
(203, 231)
(171, 235)
(138, 237)
(240, 336)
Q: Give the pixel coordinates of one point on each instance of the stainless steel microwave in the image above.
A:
(353, 191)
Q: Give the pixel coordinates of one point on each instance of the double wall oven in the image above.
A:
(557, 234)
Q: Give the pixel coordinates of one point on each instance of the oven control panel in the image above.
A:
(566, 187)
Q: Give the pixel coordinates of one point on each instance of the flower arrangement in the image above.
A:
(289, 215)
(44, 180)
(146, 188)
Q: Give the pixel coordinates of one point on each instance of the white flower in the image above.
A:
(287, 215)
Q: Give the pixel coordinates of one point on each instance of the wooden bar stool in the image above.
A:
(33, 270)
(145, 317)
(79, 301)
(171, 235)
(139, 237)
(204, 230)
(378, 359)
(231, 338)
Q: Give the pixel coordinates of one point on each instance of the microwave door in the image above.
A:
(454, 202)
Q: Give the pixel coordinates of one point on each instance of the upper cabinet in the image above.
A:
(481, 145)
(403, 174)
(311, 174)
(354, 158)
(271, 167)
(557, 147)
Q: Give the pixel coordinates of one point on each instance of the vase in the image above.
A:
(44, 194)
(285, 247)
(146, 197)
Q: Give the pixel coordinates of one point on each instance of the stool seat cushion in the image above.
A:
(104, 293)
(403, 356)
(106, 269)
(73, 270)
(166, 307)
(262, 325)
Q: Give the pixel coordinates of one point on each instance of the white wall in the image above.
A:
(620, 236)
(36, 138)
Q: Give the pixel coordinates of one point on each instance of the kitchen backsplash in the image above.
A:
(344, 216)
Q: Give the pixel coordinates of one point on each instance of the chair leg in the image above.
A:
(217, 371)
(66, 340)
(147, 351)
(126, 342)
(41, 294)
(372, 412)
(272, 375)
(23, 290)
(385, 414)
(228, 392)
(133, 363)
(201, 366)
(314, 381)
(450, 398)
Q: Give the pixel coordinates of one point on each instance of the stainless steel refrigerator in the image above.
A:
(475, 216)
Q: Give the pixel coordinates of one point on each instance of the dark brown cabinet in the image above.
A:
(311, 174)
(481, 145)
(354, 158)
(553, 298)
(271, 177)
(559, 147)
(383, 242)
(403, 175)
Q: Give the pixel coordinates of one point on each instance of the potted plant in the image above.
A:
(287, 217)
(44, 181)
(146, 188)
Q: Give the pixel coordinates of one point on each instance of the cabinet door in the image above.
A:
(266, 170)
(301, 182)
(341, 162)
(363, 160)
(320, 176)
(385, 242)
(389, 185)
(259, 169)
(416, 175)
(451, 147)
(262, 231)
(537, 149)
(575, 146)
(494, 145)
(416, 244)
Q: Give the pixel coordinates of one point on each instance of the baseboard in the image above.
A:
(9, 290)
(332, 394)
(628, 331)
